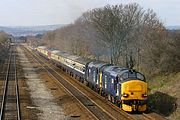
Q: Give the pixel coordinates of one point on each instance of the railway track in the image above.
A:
(94, 109)
(10, 105)
(96, 104)
(86, 103)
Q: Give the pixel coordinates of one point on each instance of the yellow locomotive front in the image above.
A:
(134, 92)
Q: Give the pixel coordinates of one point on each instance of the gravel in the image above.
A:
(41, 97)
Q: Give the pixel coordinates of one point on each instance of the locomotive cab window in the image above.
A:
(125, 75)
(132, 74)
(141, 77)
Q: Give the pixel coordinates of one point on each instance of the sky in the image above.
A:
(48, 12)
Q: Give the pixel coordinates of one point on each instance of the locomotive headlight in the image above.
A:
(144, 95)
(125, 95)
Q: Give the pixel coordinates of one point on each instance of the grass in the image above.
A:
(164, 95)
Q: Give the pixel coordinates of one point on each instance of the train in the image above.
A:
(125, 87)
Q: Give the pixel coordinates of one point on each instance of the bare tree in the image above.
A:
(4, 40)
(120, 27)
(119, 32)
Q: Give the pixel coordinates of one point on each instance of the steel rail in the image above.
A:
(35, 59)
(5, 88)
(130, 116)
(3, 103)
(17, 92)
(75, 88)
(113, 117)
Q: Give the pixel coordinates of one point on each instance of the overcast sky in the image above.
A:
(47, 12)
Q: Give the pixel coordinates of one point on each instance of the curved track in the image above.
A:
(97, 105)
(94, 109)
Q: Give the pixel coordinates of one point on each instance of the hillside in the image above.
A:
(165, 95)
(28, 30)
(173, 27)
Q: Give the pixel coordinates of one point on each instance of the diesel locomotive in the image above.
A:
(122, 86)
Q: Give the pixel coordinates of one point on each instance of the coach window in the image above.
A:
(117, 89)
(97, 81)
(89, 70)
(105, 82)
(94, 76)
(115, 82)
(115, 86)
(112, 81)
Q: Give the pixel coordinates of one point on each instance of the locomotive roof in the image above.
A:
(97, 64)
(109, 68)
(115, 70)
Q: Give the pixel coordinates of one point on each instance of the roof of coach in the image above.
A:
(42, 47)
(83, 60)
(52, 49)
(55, 51)
(72, 57)
(67, 55)
(46, 48)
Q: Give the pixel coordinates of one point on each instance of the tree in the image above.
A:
(4, 40)
(119, 27)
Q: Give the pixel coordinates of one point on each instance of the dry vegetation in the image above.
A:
(114, 33)
(4, 44)
(4, 40)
